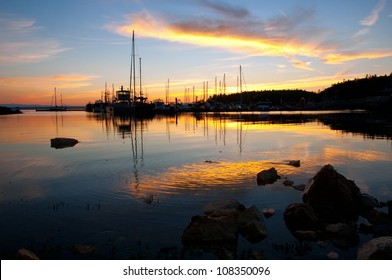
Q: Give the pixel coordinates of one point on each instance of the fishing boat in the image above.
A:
(55, 107)
(128, 101)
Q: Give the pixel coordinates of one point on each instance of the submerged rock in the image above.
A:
(299, 187)
(288, 183)
(24, 254)
(268, 212)
(333, 197)
(269, 176)
(83, 249)
(60, 143)
(295, 163)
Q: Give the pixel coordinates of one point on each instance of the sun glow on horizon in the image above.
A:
(283, 46)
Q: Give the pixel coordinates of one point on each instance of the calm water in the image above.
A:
(130, 187)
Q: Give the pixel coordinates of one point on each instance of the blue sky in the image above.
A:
(77, 46)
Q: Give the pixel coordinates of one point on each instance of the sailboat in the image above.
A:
(55, 107)
(127, 101)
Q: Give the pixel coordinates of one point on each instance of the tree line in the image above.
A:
(357, 89)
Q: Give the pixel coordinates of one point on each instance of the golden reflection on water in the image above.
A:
(242, 148)
(334, 154)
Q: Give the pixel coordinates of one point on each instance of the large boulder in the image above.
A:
(269, 176)
(379, 248)
(333, 197)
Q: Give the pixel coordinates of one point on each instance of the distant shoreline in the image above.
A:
(9, 111)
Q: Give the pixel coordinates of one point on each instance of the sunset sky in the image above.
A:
(77, 46)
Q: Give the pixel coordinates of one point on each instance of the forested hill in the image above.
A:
(360, 88)
(371, 92)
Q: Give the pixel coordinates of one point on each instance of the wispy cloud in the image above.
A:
(372, 18)
(280, 36)
(226, 9)
(22, 42)
(294, 35)
(340, 57)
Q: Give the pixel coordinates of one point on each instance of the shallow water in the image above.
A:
(131, 186)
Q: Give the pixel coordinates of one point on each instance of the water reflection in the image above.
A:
(200, 152)
(144, 174)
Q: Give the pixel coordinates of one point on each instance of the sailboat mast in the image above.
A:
(130, 77)
(241, 84)
(140, 78)
(55, 98)
(167, 91)
(133, 63)
(240, 79)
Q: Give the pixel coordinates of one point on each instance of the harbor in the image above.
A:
(127, 187)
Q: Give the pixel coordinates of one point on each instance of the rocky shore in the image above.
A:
(330, 210)
(333, 214)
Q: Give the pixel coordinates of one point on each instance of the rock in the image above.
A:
(211, 230)
(389, 204)
(376, 217)
(148, 199)
(300, 216)
(223, 222)
(24, 254)
(367, 203)
(305, 234)
(300, 187)
(379, 248)
(269, 176)
(223, 208)
(322, 243)
(342, 234)
(333, 197)
(60, 143)
(268, 212)
(288, 183)
(333, 255)
(295, 163)
(251, 224)
(83, 249)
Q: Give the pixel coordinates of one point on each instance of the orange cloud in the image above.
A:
(234, 36)
(284, 36)
(339, 58)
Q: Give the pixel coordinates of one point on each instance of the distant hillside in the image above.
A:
(371, 92)
(270, 97)
(359, 88)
